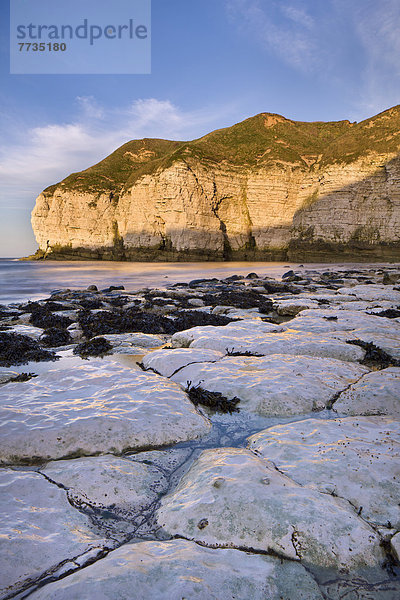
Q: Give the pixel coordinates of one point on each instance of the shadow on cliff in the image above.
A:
(360, 221)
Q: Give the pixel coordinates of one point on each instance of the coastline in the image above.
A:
(297, 356)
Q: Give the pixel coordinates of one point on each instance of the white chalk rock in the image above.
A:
(99, 407)
(102, 481)
(373, 292)
(293, 306)
(179, 569)
(167, 362)
(377, 393)
(244, 327)
(279, 384)
(288, 342)
(38, 529)
(130, 343)
(395, 543)
(230, 497)
(325, 320)
(356, 458)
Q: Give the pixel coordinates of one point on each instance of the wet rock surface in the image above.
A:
(262, 426)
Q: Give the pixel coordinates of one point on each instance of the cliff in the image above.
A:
(266, 188)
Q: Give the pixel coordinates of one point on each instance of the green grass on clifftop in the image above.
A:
(261, 141)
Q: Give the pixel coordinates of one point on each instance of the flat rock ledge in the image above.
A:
(275, 385)
(98, 408)
(179, 569)
(356, 458)
(232, 498)
(39, 531)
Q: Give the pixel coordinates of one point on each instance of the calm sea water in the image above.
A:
(32, 280)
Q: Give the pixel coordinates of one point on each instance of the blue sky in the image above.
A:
(214, 63)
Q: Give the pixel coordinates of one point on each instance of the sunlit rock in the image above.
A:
(292, 342)
(97, 408)
(356, 458)
(325, 320)
(372, 292)
(232, 498)
(244, 327)
(278, 384)
(168, 362)
(377, 393)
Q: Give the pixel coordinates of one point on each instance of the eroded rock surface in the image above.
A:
(39, 530)
(181, 569)
(357, 458)
(94, 409)
(278, 384)
(107, 481)
(232, 498)
(377, 393)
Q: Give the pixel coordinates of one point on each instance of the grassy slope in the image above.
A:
(261, 140)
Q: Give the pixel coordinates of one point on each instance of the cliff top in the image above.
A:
(262, 140)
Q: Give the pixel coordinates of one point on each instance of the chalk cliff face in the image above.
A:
(265, 188)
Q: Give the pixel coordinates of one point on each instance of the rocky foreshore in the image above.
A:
(215, 439)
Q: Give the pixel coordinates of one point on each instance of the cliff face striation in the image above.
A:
(266, 188)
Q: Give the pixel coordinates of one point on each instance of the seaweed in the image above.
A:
(23, 377)
(18, 349)
(213, 400)
(375, 356)
(196, 318)
(41, 316)
(54, 337)
(389, 313)
(239, 299)
(119, 321)
(96, 347)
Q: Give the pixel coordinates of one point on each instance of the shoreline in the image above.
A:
(185, 383)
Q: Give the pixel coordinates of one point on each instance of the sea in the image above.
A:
(21, 281)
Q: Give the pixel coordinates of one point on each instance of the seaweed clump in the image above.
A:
(97, 347)
(374, 356)
(245, 299)
(41, 316)
(18, 349)
(213, 400)
(195, 318)
(119, 321)
(54, 337)
(389, 313)
(23, 377)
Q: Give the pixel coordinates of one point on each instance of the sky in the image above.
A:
(214, 63)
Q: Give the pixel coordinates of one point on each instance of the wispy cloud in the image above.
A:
(354, 46)
(33, 158)
(377, 27)
(282, 28)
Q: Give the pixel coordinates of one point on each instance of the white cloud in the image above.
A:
(377, 27)
(37, 157)
(284, 29)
